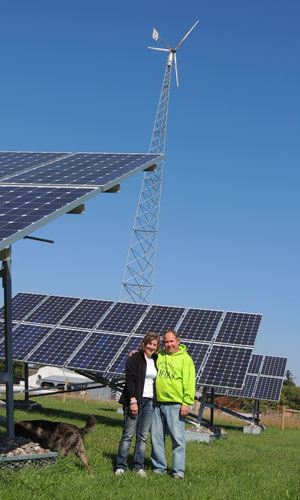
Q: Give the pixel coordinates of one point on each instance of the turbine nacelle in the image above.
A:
(172, 51)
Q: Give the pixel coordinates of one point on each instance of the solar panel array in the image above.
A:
(264, 379)
(36, 188)
(97, 335)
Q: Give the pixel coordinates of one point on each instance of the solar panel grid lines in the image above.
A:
(53, 310)
(118, 363)
(268, 388)
(57, 347)
(15, 162)
(97, 352)
(23, 304)
(86, 169)
(159, 319)
(199, 324)
(226, 366)
(122, 318)
(239, 328)
(255, 363)
(25, 340)
(25, 209)
(197, 351)
(274, 366)
(87, 313)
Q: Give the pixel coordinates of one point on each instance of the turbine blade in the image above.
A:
(158, 48)
(185, 36)
(176, 72)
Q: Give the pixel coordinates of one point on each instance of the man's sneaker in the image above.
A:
(141, 473)
(177, 476)
(119, 472)
(158, 472)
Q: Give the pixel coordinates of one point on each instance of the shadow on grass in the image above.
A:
(61, 415)
(130, 460)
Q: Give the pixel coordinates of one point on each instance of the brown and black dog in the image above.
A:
(58, 436)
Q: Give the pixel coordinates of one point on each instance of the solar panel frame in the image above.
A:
(274, 366)
(26, 208)
(88, 357)
(226, 366)
(268, 389)
(199, 324)
(159, 319)
(239, 329)
(57, 348)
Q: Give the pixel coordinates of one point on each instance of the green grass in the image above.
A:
(241, 467)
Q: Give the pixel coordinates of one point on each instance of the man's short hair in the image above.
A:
(176, 335)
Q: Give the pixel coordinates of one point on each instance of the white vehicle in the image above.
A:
(49, 377)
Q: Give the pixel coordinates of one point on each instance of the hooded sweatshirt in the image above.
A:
(175, 381)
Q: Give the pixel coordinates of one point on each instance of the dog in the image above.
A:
(58, 436)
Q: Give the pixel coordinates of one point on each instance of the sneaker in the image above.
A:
(141, 473)
(177, 476)
(158, 472)
(119, 472)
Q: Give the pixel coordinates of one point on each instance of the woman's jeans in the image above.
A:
(141, 425)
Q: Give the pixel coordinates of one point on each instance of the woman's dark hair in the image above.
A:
(148, 338)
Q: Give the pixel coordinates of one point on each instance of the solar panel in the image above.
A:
(25, 209)
(274, 366)
(239, 328)
(22, 304)
(87, 313)
(199, 324)
(25, 338)
(159, 319)
(52, 310)
(226, 366)
(57, 347)
(44, 190)
(268, 389)
(118, 366)
(123, 317)
(97, 335)
(97, 352)
(85, 169)
(13, 162)
(258, 385)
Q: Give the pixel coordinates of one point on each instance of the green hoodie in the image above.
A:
(175, 381)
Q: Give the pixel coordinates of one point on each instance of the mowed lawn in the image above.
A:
(240, 467)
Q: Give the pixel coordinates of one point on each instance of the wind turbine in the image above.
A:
(172, 51)
(138, 277)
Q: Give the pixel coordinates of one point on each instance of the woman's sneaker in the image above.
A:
(119, 472)
(141, 473)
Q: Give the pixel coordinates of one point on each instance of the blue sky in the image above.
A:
(76, 75)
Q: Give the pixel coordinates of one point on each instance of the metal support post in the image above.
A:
(6, 281)
(212, 400)
(26, 382)
(202, 405)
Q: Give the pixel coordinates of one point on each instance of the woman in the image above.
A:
(138, 399)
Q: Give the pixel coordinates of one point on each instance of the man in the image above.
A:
(175, 392)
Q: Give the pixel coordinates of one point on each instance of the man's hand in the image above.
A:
(184, 410)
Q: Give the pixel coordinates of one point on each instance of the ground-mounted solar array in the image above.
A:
(36, 188)
(98, 335)
(263, 381)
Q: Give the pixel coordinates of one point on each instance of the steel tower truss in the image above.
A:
(138, 278)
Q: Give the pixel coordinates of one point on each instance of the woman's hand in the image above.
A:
(134, 409)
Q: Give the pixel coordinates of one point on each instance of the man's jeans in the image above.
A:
(141, 424)
(167, 416)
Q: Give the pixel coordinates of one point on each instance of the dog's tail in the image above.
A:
(90, 425)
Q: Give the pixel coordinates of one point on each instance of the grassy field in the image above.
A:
(241, 467)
